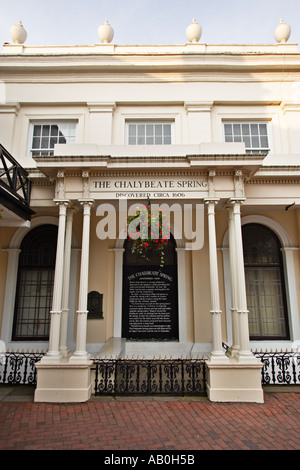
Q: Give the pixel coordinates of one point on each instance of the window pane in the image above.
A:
(228, 129)
(141, 134)
(254, 129)
(45, 143)
(149, 130)
(263, 129)
(236, 129)
(37, 130)
(132, 130)
(264, 142)
(246, 129)
(150, 140)
(54, 130)
(255, 142)
(45, 130)
(36, 143)
(167, 130)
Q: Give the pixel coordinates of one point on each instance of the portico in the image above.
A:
(82, 191)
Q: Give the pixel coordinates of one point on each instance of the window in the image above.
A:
(35, 284)
(46, 135)
(266, 297)
(149, 133)
(254, 135)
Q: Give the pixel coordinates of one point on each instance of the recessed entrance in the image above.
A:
(150, 295)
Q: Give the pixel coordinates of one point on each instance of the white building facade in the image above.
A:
(211, 132)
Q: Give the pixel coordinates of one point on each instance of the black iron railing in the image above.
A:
(18, 368)
(15, 185)
(280, 368)
(149, 376)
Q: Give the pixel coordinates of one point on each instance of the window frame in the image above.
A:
(153, 122)
(39, 268)
(49, 151)
(264, 267)
(249, 149)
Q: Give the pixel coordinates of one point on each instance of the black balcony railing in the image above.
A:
(15, 185)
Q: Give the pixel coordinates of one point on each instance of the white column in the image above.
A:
(217, 350)
(118, 292)
(233, 283)
(54, 337)
(181, 294)
(66, 284)
(241, 283)
(80, 352)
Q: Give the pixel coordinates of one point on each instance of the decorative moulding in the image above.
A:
(18, 33)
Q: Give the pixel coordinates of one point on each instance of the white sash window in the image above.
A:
(149, 133)
(46, 134)
(253, 134)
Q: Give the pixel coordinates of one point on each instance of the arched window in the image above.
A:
(265, 285)
(35, 284)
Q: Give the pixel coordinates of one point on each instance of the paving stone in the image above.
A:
(152, 424)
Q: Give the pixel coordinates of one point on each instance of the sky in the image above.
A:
(75, 22)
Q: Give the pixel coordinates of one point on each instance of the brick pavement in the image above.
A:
(152, 424)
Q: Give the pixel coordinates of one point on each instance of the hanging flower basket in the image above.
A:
(148, 230)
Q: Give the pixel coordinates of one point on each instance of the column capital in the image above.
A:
(237, 200)
(214, 200)
(62, 201)
(211, 202)
(86, 200)
(87, 204)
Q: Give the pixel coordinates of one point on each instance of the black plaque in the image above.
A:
(95, 302)
(150, 307)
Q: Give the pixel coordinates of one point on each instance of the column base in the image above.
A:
(79, 358)
(218, 358)
(63, 382)
(234, 381)
(52, 357)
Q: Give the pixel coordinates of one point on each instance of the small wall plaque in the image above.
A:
(95, 302)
